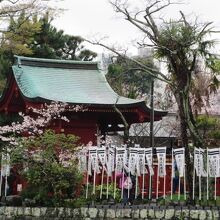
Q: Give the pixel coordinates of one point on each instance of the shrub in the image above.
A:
(50, 168)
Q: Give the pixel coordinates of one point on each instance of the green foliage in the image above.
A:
(128, 79)
(184, 45)
(110, 192)
(49, 41)
(215, 134)
(214, 84)
(17, 40)
(5, 63)
(208, 126)
(204, 121)
(20, 35)
(77, 202)
(87, 55)
(168, 200)
(53, 177)
(181, 43)
(54, 44)
(95, 198)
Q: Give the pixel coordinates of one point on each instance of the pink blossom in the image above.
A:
(34, 125)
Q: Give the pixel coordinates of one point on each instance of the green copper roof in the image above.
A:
(65, 81)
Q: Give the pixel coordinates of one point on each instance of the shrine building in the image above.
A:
(35, 81)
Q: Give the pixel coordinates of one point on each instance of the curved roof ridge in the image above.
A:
(20, 58)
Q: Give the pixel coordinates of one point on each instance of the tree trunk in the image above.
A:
(126, 131)
(181, 102)
(187, 124)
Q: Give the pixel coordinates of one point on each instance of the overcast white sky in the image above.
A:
(88, 18)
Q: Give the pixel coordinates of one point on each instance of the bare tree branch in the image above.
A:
(184, 19)
(122, 118)
(134, 21)
(15, 7)
(153, 72)
(7, 10)
(13, 2)
(159, 8)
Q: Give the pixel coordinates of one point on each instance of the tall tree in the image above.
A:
(180, 43)
(16, 40)
(19, 35)
(126, 78)
(54, 44)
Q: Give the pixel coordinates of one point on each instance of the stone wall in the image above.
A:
(109, 212)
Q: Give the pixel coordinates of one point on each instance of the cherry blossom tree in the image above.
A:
(34, 123)
(49, 157)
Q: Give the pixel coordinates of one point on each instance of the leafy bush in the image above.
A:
(110, 192)
(96, 197)
(209, 126)
(49, 166)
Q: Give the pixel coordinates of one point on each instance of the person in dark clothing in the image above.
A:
(176, 180)
(10, 181)
(132, 191)
(127, 184)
